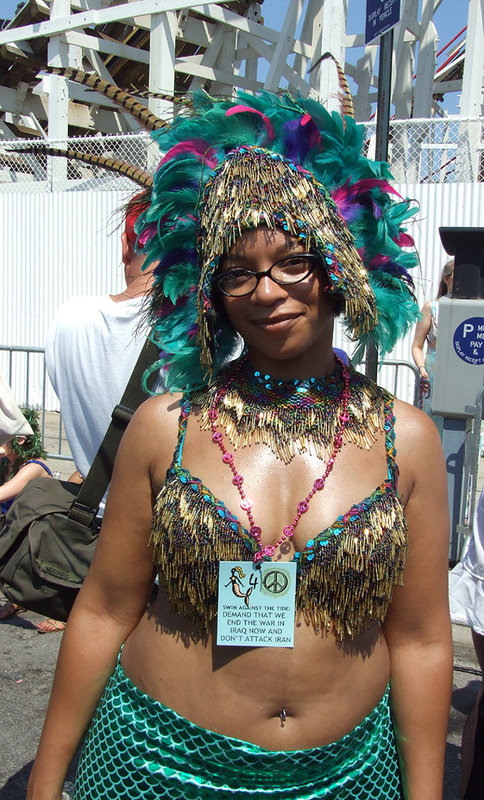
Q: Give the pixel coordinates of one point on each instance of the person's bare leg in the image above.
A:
(472, 750)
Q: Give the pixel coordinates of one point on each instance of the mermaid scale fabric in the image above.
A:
(137, 749)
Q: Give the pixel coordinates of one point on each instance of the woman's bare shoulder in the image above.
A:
(418, 445)
(414, 429)
(153, 429)
(408, 414)
(161, 409)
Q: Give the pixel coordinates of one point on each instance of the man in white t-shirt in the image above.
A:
(91, 350)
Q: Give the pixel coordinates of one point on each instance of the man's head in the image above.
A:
(133, 259)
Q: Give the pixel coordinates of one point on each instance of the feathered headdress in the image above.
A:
(276, 161)
(272, 160)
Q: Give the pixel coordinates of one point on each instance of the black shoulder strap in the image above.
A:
(86, 504)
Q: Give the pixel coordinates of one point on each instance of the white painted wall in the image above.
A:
(54, 246)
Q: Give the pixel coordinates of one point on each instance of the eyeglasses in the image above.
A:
(286, 271)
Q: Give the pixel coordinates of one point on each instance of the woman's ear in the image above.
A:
(21, 440)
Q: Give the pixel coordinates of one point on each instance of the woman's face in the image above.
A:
(8, 452)
(449, 281)
(288, 329)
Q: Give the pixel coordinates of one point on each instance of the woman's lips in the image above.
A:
(278, 323)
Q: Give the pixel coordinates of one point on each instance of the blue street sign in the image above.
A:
(468, 340)
(381, 16)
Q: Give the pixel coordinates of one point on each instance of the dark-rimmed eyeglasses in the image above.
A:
(286, 271)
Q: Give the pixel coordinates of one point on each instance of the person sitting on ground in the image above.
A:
(22, 459)
(12, 421)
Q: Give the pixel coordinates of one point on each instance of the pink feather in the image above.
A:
(239, 109)
(197, 147)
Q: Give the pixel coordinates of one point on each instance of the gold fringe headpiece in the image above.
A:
(254, 187)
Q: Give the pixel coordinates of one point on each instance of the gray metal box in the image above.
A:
(459, 365)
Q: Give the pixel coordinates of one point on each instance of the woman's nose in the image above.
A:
(267, 291)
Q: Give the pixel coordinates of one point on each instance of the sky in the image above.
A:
(450, 18)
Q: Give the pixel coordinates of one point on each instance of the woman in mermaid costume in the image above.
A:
(294, 512)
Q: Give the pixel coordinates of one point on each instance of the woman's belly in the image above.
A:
(277, 698)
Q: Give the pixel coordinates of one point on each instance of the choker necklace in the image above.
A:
(266, 552)
(291, 416)
(132, 296)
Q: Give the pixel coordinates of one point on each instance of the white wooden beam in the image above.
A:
(126, 11)
(365, 73)
(100, 45)
(42, 6)
(196, 31)
(92, 118)
(470, 135)
(471, 100)
(331, 35)
(58, 56)
(17, 50)
(245, 54)
(427, 49)
(404, 61)
(162, 60)
(89, 5)
(226, 63)
(211, 74)
(206, 59)
(284, 45)
(442, 87)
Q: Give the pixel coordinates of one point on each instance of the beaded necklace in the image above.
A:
(267, 551)
(290, 417)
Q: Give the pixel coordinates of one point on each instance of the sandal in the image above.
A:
(50, 626)
(10, 609)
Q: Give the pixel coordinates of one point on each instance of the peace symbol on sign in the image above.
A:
(275, 581)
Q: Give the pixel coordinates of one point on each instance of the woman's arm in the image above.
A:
(12, 487)
(421, 332)
(417, 628)
(113, 598)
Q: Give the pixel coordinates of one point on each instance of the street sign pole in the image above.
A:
(384, 94)
(381, 147)
(381, 17)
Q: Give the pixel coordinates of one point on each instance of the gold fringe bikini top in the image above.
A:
(345, 575)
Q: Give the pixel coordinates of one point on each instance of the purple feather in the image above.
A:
(298, 137)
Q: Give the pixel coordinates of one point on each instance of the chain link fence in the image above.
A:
(447, 150)
(26, 165)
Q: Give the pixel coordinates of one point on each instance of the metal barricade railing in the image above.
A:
(391, 376)
(398, 368)
(24, 369)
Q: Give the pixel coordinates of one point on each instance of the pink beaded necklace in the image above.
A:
(268, 551)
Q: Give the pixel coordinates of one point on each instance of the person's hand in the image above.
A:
(424, 383)
(76, 477)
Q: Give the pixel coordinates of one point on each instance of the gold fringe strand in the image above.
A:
(290, 431)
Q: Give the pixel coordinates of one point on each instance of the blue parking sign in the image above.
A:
(381, 15)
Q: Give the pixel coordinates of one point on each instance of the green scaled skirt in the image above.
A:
(137, 749)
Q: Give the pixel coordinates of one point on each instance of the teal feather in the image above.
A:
(175, 285)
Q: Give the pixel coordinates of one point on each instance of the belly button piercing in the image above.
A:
(283, 717)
